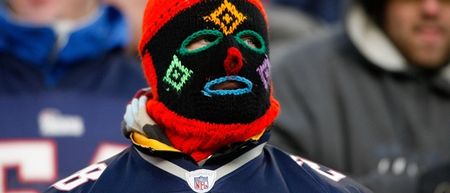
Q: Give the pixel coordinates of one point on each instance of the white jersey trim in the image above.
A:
(218, 173)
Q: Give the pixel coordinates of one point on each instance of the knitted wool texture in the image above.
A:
(198, 117)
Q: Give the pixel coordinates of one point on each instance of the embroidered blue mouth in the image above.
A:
(209, 90)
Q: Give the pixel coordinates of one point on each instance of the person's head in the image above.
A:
(44, 12)
(420, 29)
(207, 64)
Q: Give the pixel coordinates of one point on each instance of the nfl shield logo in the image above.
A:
(201, 183)
(201, 180)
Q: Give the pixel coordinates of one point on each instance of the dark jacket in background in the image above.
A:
(361, 109)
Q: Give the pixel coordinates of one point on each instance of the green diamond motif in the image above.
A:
(177, 75)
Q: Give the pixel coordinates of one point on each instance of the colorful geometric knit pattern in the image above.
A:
(214, 95)
(264, 73)
(177, 74)
(227, 17)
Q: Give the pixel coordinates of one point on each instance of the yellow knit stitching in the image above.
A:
(227, 17)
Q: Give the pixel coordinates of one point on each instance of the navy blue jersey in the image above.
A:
(261, 169)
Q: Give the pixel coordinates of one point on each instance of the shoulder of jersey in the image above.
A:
(83, 180)
(325, 178)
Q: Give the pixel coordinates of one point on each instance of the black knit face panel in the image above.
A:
(187, 79)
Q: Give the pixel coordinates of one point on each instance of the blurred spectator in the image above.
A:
(64, 80)
(373, 99)
(327, 11)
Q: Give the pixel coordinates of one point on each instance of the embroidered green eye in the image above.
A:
(199, 41)
(251, 40)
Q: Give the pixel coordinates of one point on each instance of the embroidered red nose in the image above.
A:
(233, 62)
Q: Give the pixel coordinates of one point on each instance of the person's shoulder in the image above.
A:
(85, 180)
(81, 181)
(297, 170)
(333, 180)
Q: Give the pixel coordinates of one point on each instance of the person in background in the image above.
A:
(64, 78)
(202, 125)
(372, 99)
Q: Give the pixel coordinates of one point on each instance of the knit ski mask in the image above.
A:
(207, 64)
